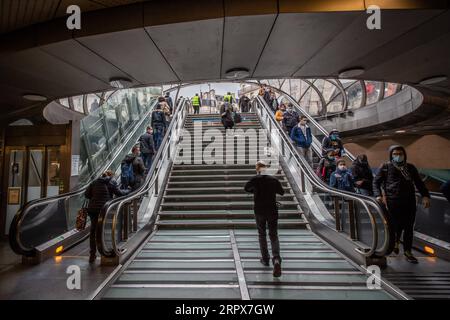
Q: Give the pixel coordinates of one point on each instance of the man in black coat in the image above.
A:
(265, 188)
(99, 192)
(147, 147)
(290, 119)
(394, 185)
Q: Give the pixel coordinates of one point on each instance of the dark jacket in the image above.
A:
(170, 103)
(361, 172)
(325, 168)
(147, 143)
(138, 169)
(265, 189)
(395, 184)
(158, 119)
(445, 189)
(342, 180)
(290, 119)
(100, 191)
(299, 138)
(244, 104)
(328, 143)
(227, 119)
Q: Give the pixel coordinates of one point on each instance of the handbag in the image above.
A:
(82, 214)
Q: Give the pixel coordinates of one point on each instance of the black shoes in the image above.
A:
(264, 262)
(92, 258)
(276, 268)
(410, 258)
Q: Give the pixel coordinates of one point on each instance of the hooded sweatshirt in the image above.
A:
(398, 180)
(361, 171)
(329, 143)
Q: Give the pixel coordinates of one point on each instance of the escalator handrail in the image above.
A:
(311, 119)
(143, 189)
(22, 213)
(365, 201)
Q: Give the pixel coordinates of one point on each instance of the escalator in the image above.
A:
(203, 243)
(431, 278)
(46, 227)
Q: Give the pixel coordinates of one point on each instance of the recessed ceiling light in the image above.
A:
(120, 83)
(400, 131)
(433, 80)
(237, 73)
(350, 73)
(34, 97)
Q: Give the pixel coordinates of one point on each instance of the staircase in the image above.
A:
(205, 244)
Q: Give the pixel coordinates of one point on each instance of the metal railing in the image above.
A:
(63, 207)
(306, 175)
(111, 238)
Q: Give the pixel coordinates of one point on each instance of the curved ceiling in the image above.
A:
(154, 42)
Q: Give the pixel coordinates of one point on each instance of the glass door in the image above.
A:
(35, 182)
(16, 178)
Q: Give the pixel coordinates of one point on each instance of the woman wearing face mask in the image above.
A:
(394, 186)
(341, 178)
(327, 166)
(362, 175)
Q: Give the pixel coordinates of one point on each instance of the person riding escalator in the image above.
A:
(99, 192)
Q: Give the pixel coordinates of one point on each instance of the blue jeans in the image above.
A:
(148, 160)
(158, 135)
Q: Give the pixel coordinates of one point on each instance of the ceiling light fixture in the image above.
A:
(34, 97)
(400, 131)
(237, 73)
(433, 80)
(351, 73)
(120, 83)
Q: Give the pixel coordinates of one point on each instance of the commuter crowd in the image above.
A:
(394, 184)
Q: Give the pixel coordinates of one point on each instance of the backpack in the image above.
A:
(237, 118)
(127, 178)
(158, 116)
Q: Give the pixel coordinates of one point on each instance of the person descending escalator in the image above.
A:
(196, 103)
(333, 142)
(290, 119)
(394, 186)
(341, 178)
(273, 102)
(302, 137)
(132, 170)
(279, 115)
(99, 192)
(265, 188)
(327, 166)
(159, 125)
(244, 104)
(362, 175)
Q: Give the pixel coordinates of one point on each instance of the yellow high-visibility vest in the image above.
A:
(196, 101)
(228, 98)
